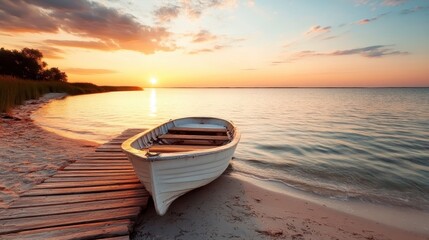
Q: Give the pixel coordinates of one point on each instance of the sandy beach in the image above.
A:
(29, 154)
(228, 208)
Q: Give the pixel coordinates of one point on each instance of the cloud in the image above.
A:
(369, 20)
(385, 3)
(85, 19)
(88, 71)
(18, 16)
(375, 51)
(51, 52)
(318, 29)
(203, 36)
(206, 50)
(366, 20)
(167, 13)
(413, 10)
(99, 45)
(393, 2)
(193, 9)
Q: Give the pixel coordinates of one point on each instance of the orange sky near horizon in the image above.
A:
(227, 43)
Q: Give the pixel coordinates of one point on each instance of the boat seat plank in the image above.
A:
(118, 229)
(206, 130)
(20, 224)
(193, 137)
(177, 148)
(11, 213)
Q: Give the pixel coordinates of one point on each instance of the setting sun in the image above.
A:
(153, 81)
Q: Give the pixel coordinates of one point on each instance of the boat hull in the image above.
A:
(169, 176)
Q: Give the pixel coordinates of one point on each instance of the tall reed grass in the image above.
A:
(14, 91)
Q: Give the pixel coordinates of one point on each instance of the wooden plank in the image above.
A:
(84, 197)
(127, 237)
(193, 137)
(108, 150)
(83, 174)
(106, 155)
(20, 224)
(91, 189)
(90, 178)
(202, 130)
(177, 148)
(112, 146)
(84, 183)
(118, 229)
(12, 213)
(100, 163)
(76, 167)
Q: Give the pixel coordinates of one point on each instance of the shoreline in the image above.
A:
(229, 207)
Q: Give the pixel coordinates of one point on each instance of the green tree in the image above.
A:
(28, 64)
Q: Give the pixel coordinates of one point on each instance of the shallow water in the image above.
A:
(370, 145)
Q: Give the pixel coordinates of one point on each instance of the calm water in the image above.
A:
(369, 145)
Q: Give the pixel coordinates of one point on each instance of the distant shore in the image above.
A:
(231, 207)
(14, 91)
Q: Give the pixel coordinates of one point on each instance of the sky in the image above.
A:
(226, 43)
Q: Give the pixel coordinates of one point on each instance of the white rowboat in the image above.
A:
(181, 155)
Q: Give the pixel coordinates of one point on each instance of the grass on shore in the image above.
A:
(14, 91)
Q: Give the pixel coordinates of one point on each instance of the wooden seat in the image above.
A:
(202, 130)
(176, 148)
(193, 137)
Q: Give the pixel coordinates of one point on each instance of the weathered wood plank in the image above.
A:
(125, 171)
(107, 158)
(110, 229)
(85, 183)
(193, 137)
(109, 145)
(108, 150)
(96, 197)
(177, 148)
(92, 189)
(127, 237)
(30, 223)
(84, 197)
(202, 130)
(90, 178)
(88, 167)
(104, 162)
(12, 213)
(99, 164)
(91, 174)
(109, 155)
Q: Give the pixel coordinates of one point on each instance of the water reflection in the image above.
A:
(152, 103)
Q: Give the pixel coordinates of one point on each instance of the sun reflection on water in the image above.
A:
(152, 103)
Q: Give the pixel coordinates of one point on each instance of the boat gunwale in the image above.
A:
(142, 153)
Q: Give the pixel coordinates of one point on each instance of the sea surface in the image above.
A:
(360, 144)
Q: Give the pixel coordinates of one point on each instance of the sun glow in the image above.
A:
(153, 81)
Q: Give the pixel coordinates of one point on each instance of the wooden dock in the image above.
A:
(96, 197)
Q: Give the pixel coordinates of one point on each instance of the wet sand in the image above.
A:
(230, 208)
(29, 154)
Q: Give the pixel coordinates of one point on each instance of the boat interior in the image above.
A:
(185, 139)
